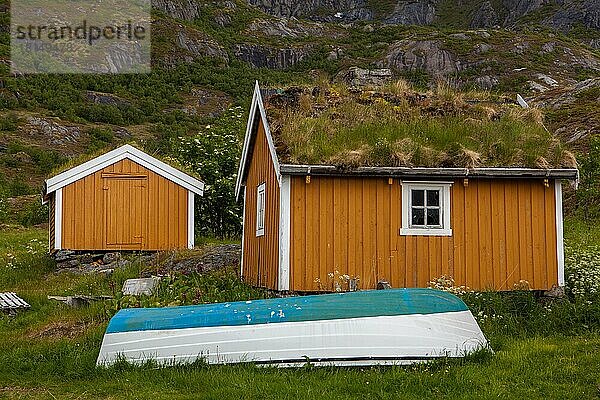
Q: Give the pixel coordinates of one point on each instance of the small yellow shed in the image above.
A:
(122, 200)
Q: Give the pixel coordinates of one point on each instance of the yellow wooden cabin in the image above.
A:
(122, 200)
(306, 225)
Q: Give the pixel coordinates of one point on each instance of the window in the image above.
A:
(260, 209)
(426, 208)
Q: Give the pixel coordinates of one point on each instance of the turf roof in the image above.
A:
(398, 126)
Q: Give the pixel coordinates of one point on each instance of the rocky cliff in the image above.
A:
(563, 15)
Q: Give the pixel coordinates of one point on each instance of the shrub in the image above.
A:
(588, 193)
(582, 272)
(9, 122)
(34, 213)
(99, 138)
(213, 153)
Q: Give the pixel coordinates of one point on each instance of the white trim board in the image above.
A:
(190, 221)
(257, 103)
(284, 233)
(124, 152)
(243, 234)
(560, 249)
(58, 206)
(445, 208)
(260, 218)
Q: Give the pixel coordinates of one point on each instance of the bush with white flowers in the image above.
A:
(582, 271)
(213, 153)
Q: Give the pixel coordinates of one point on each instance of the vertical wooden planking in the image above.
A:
(370, 221)
(331, 221)
(183, 216)
(538, 233)
(528, 222)
(484, 225)
(511, 223)
(352, 227)
(359, 233)
(496, 205)
(322, 220)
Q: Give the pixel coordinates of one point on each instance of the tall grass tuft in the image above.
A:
(397, 126)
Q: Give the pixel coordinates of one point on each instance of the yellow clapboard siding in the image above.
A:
(261, 254)
(151, 211)
(504, 231)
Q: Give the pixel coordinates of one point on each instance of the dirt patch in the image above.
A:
(59, 330)
(18, 391)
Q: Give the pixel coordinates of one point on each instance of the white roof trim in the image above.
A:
(125, 152)
(257, 101)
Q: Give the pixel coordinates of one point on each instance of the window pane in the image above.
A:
(418, 197)
(433, 216)
(418, 216)
(433, 198)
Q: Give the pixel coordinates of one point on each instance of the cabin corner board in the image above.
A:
(284, 232)
(559, 232)
(58, 217)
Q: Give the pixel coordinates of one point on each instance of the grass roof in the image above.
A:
(398, 126)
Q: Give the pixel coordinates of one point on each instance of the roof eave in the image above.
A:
(127, 151)
(418, 172)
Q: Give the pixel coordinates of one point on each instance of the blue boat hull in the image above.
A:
(359, 328)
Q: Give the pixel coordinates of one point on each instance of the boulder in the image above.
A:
(140, 286)
(359, 77)
(110, 258)
(63, 255)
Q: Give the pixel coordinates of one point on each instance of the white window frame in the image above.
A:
(445, 209)
(260, 209)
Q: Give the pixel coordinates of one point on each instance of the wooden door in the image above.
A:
(126, 211)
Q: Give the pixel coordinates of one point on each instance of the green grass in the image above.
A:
(540, 350)
(390, 128)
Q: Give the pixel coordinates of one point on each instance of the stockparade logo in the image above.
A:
(78, 36)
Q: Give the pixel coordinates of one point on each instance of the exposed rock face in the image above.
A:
(563, 14)
(122, 57)
(413, 13)
(517, 8)
(197, 45)
(426, 55)
(571, 128)
(260, 56)
(290, 28)
(316, 10)
(53, 131)
(186, 10)
(185, 44)
(485, 16)
(585, 12)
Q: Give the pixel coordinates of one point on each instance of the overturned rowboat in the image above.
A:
(398, 326)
